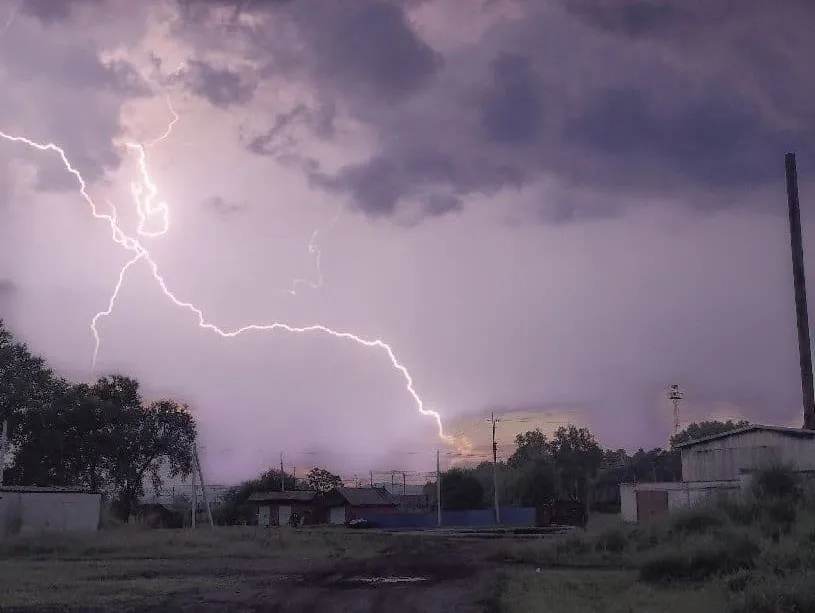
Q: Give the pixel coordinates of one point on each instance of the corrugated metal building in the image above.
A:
(725, 457)
(719, 467)
(29, 510)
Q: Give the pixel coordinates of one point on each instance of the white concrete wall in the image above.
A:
(628, 503)
(680, 495)
(723, 459)
(33, 512)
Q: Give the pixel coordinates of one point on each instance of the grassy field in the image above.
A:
(757, 557)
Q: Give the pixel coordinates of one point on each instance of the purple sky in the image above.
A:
(554, 208)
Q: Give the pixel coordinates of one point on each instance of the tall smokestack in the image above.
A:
(798, 277)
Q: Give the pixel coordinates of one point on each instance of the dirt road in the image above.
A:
(395, 583)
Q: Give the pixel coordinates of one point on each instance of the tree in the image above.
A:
(320, 480)
(530, 446)
(26, 382)
(103, 437)
(534, 483)
(150, 440)
(461, 490)
(577, 457)
(703, 429)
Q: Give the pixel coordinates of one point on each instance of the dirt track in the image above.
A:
(429, 583)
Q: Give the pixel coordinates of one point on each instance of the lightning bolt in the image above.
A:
(140, 253)
(314, 250)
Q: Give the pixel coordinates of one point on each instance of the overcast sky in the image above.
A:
(552, 208)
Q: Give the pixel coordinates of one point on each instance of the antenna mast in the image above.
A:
(675, 396)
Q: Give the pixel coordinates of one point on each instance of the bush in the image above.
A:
(573, 545)
(697, 520)
(727, 554)
(613, 540)
(739, 513)
(775, 483)
(789, 594)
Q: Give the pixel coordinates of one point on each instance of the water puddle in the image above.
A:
(385, 580)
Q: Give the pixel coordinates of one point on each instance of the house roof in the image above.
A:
(293, 496)
(51, 489)
(366, 496)
(797, 432)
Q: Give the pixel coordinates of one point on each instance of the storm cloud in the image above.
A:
(555, 208)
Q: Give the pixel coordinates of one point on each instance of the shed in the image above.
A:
(718, 468)
(724, 457)
(347, 503)
(276, 508)
(30, 510)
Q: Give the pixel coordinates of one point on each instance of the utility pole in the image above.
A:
(372, 479)
(495, 421)
(438, 489)
(799, 281)
(194, 502)
(3, 444)
(282, 474)
(203, 485)
(404, 486)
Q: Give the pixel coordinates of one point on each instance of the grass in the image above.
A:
(222, 542)
(527, 591)
(757, 556)
(114, 567)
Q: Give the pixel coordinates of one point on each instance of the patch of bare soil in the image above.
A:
(398, 583)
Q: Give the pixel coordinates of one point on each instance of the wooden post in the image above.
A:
(438, 489)
(799, 280)
(3, 445)
(194, 501)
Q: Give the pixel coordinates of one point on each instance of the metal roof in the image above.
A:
(366, 496)
(797, 432)
(51, 489)
(293, 496)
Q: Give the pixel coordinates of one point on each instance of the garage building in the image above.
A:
(31, 510)
(346, 503)
(276, 508)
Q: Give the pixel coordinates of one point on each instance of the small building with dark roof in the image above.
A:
(277, 508)
(346, 503)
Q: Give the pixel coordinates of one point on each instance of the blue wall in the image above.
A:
(510, 516)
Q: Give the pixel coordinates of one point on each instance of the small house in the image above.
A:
(719, 468)
(346, 503)
(31, 510)
(277, 508)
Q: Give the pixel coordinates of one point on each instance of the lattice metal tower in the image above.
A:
(675, 396)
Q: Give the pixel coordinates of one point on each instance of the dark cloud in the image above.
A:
(369, 46)
(222, 87)
(281, 139)
(222, 206)
(616, 116)
(511, 108)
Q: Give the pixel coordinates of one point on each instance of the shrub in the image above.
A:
(613, 540)
(727, 554)
(789, 594)
(739, 513)
(697, 520)
(573, 545)
(779, 482)
(738, 581)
